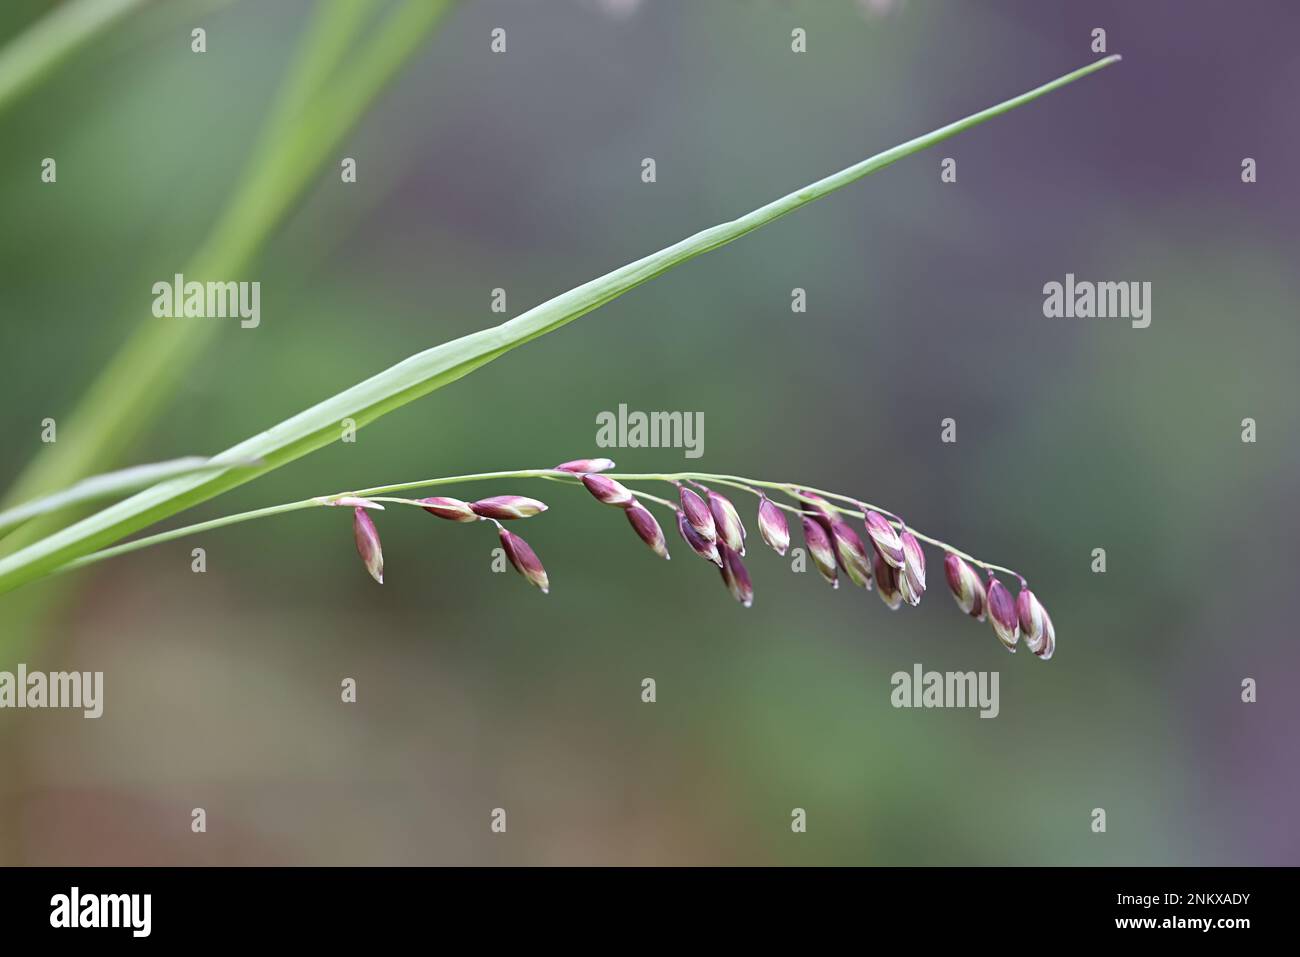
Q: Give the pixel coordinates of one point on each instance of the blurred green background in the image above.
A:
(522, 171)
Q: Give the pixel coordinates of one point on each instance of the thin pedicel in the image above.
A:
(890, 558)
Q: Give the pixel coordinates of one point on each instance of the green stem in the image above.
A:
(52, 39)
(381, 493)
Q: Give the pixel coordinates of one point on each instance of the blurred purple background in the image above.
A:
(522, 171)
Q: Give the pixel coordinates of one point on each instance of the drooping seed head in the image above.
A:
(647, 527)
(736, 577)
(1002, 614)
(819, 545)
(585, 466)
(607, 490)
(524, 559)
(731, 530)
(367, 536)
(1033, 620)
(887, 578)
(850, 552)
(698, 514)
(452, 509)
(885, 538)
(507, 507)
(911, 580)
(772, 526)
(706, 550)
(966, 586)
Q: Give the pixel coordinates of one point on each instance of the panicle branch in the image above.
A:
(881, 552)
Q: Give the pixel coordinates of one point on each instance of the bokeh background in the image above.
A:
(521, 171)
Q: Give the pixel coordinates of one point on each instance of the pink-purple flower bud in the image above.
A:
(816, 503)
(1034, 623)
(819, 545)
(885, 538)
(1049, 638)
(524, 559)
(607, 490)
(647, 527)
(731, 530)
(887, 578)
(773, 526)
(1002, 614)
(707, 550)
(966, 586)
(850, 552)
(452, 509)
(736, 577)
(911, 579)
(506, 507)
(367, 536)
(584, 466)
(698, 514)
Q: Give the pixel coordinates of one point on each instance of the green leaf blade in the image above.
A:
(433, 368)
(107, 485)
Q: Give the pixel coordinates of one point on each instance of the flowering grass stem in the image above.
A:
(890, 559)
(382, 493)
(417, 375)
